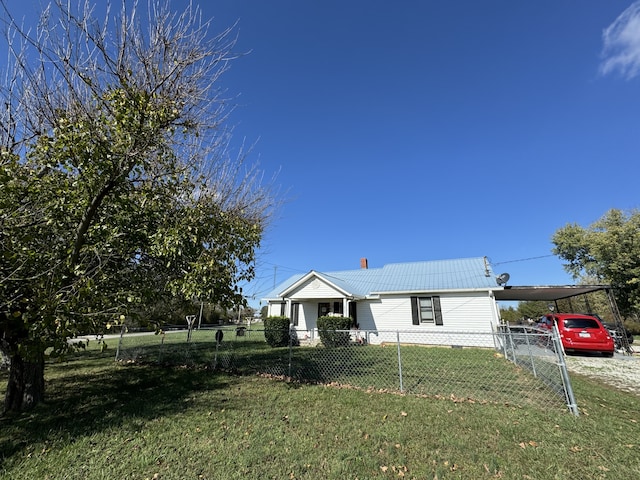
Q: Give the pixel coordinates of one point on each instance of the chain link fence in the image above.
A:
(510, 366)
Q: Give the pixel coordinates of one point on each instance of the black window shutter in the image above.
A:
(437, 311)
(415, 311)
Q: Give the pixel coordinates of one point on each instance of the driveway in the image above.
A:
(621, 371)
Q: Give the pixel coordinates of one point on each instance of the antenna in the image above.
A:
(502, 279)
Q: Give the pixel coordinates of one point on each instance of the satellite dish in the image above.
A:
(502, 279)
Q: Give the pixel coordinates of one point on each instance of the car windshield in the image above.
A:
(580, 323)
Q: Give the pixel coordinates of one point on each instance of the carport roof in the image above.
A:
(545, 293)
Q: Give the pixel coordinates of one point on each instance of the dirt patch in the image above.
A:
(622, 371)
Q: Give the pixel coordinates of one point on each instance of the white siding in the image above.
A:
(460, 312)
(315, 288)
(381, 319)
(275, 309)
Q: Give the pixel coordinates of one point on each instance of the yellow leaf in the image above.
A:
(384, 468)
(532, 443)
(404, 414)
(522, 445)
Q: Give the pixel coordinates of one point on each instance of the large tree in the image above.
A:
(608, 251)
(117, 187)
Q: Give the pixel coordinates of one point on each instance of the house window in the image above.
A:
(426, 310)
(324, 309)
(283, 309)
(338, 308)
(353, 313)
(295, 313)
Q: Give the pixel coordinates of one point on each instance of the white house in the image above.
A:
(430, 297)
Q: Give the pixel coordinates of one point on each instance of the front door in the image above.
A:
(323, 309)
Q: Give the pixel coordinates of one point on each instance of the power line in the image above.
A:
(522, 259)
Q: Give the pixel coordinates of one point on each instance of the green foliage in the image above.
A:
(509, 314)
(118, 196)
(608, 251)
(276, 331)
(328, 329)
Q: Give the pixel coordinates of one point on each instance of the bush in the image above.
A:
(633, 326)
(276, 331)
(327, 327)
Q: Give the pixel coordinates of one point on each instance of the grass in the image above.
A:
(475, 373)
(106, 421)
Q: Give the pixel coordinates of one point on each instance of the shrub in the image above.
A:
(276, 331)
(327, 327)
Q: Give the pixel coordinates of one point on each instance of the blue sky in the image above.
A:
(424, 130)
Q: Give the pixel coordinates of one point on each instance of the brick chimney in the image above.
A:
(364, 263)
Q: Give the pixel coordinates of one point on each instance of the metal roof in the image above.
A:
(429, 276)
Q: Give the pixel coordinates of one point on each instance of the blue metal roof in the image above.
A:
(460, 274)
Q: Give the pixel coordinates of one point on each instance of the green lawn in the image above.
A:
(477, 373)
(108, 421)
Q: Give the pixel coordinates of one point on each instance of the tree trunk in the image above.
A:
(26, 383)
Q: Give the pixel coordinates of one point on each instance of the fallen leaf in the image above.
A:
(384, 468)
(404, 414)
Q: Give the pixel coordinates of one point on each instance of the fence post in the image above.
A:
(531, 359)
(562, 365)
(399, 360)
(291, 330)
(120, 341)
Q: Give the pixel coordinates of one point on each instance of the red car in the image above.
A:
(580, 333)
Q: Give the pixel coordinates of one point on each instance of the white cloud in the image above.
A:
(621, 39)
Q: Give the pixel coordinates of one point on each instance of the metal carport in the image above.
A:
(546, 292)
(553, 293)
